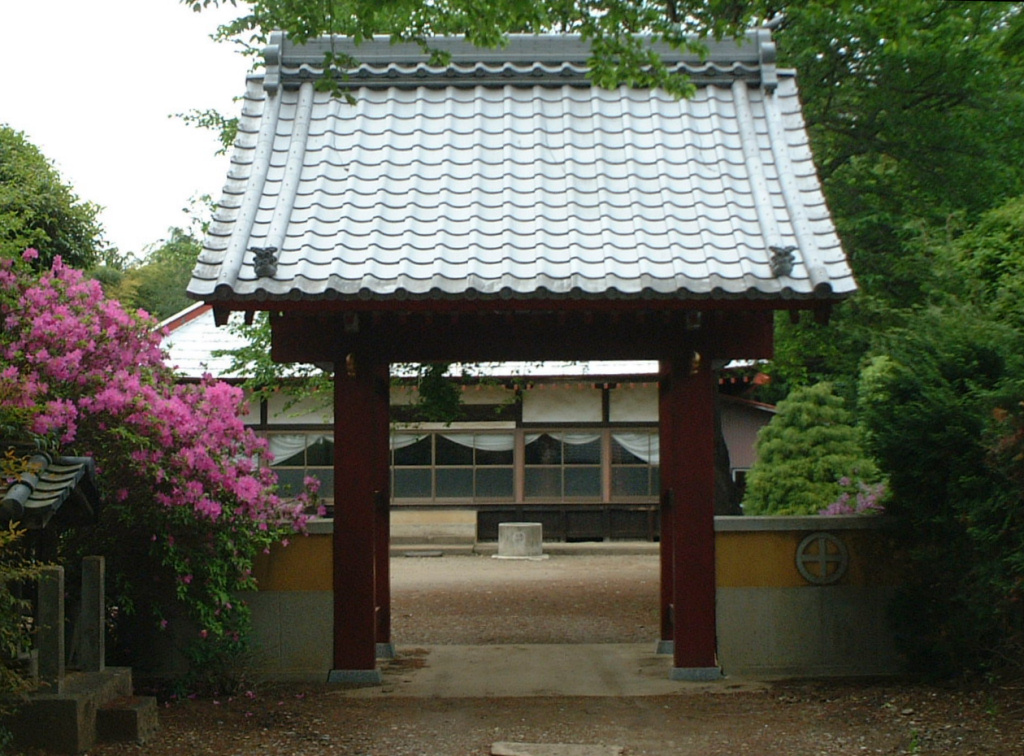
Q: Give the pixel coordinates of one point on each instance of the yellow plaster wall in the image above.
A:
(746, 559)
(303, 565)
(743, 559)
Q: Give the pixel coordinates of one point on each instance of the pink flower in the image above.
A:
(30, 254)
(177, 458)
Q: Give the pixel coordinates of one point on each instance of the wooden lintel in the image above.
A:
(737, 336)
(491, 336)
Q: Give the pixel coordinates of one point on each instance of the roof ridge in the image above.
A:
(529, 58)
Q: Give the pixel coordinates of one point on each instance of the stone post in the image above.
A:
(92, 648)
(50, 633)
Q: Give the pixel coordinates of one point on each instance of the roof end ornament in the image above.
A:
(264, 264)
(781, 262)
(272, 62)
(767, 55)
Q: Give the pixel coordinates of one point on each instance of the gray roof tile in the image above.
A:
(34, 496)
(526, 185)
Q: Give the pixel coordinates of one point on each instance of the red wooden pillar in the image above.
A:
(688, 474)
(360, 480)
(667, 554)
(382, 511)
(667, 529)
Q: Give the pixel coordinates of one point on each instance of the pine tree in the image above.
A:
(807, 457)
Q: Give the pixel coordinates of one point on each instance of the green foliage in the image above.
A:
(16, 570)
(264, 377)
(15, 612)
(226, 128)
(37, 209)
(158, 284)
(617, 55)
(804, 454)
(440, 397)
(927, 398)
(989, 262)
(913, 110)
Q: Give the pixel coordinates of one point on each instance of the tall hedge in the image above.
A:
(941, 402)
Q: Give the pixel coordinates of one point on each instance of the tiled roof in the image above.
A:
(37, 494)
(190, 339)
(507, 176)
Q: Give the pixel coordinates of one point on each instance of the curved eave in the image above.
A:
(785, 299)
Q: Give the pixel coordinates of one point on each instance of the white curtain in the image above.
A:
(643, 445)
(402, 440)
(484, 441)
(646, 446)
(573, 439)
(576, 439)
(284, 446)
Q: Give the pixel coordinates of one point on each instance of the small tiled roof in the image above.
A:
(506, 175)
(193, 343)
(37, 494)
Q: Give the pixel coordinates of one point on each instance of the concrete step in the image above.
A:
(65, 722)
(132, 719)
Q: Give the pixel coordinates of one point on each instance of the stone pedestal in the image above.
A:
(520, 540)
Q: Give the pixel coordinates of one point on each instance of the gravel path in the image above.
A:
(476, 600)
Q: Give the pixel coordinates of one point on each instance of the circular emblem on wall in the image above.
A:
(822, 558)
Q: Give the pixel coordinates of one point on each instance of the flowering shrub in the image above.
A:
(187, 504)
(857, 498)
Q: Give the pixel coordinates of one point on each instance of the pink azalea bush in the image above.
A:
(857, 497)
(187, 503)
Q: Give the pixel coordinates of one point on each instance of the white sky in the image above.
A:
(92, 83)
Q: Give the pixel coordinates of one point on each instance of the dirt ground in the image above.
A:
(594, 599)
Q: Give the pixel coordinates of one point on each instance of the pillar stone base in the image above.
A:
(355, 678)
(385, 650)
(697, 674)
(666, 647)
